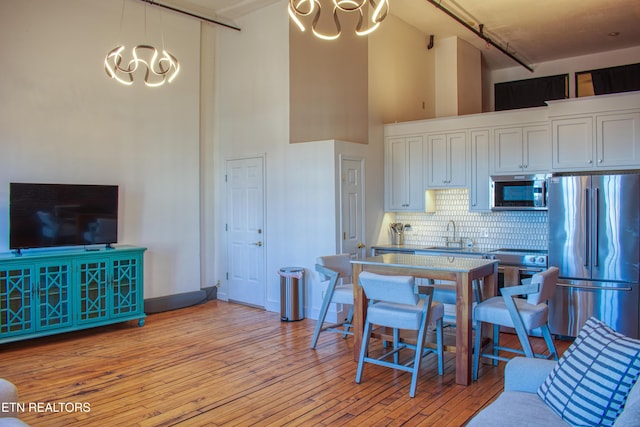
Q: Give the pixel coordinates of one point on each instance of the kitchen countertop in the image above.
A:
(426, 262)
(425, 249)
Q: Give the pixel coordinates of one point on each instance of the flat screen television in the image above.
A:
(50, 215)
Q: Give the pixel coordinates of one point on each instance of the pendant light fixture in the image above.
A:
(158, 68)
(371, 14)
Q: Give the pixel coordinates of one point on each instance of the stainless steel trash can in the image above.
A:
(291, 293)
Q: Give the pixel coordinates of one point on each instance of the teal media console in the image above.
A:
(44, 292)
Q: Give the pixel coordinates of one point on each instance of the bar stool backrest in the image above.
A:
(396, 289)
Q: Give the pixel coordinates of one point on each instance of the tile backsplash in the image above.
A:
(490, 230)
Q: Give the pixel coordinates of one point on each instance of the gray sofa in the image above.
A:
(519, 405)
(8, 393)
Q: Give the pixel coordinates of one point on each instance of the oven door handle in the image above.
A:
(525, 270)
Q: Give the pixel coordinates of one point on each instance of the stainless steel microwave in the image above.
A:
(518, 192)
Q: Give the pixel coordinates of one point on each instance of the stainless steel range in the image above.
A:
(517, 264)
(522, 257)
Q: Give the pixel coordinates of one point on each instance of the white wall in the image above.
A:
(401, 73)
(469, 71)
(446, 91)
(458, 88)
(63, 120)
(334, 75)
(252, 117)
(561, 66)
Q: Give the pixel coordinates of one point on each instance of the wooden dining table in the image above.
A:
(461, 270)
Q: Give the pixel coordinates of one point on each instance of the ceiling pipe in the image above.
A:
(430, 44)
(193, 15)
(480, 34)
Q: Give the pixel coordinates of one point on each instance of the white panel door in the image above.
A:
(245, 231)
(352, 207)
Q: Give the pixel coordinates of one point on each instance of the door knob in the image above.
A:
(258, 243)
(360, 245)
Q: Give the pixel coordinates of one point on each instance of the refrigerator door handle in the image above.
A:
(596, 222)
(586, 227)
(594, 288)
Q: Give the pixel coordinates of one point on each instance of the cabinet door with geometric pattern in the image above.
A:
(16, 300)
(126, 286)
(93, 287)
(54, 305)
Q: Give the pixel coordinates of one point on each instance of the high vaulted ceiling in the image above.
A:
(533, 30)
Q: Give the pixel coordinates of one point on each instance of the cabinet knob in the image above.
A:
(590, 162)
(599, 160)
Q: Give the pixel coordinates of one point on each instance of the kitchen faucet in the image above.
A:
(452, 240)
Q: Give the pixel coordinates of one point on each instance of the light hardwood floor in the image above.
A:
(225, 364)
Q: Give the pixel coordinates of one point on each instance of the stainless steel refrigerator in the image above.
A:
(594, 226)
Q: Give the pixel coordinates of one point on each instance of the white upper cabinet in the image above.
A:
(522, 149)
(600, 141)
(479, 179)
(572, 143)
(596, 133)
(585, 134)
(446, 160)
(618, 140)
(404, 179)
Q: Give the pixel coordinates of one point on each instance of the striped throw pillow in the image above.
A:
(590, 383)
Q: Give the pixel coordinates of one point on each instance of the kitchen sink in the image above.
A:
(443, 248)
(450, 251)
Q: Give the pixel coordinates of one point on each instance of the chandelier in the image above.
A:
(158, 68)
(302, 9)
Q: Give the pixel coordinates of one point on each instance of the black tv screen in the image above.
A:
(47, 215)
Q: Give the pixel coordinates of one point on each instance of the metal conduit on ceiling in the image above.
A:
(193, 15)
(479, 33)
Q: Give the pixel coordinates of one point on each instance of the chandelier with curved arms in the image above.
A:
(157, 69)
(374, 14)
(144, 59)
